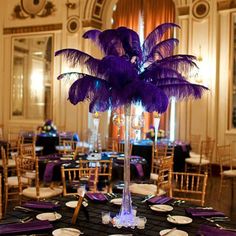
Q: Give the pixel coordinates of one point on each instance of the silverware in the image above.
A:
(147, 198)
(225, 228)
(170, 216)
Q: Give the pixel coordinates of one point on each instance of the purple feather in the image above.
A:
(117, 79)
(155, 36)
(163, 49)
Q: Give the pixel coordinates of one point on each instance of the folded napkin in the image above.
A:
(206, 230)
(203, 212)
(159, 199)
(31, 226)
(48, 173)
(139, 169)
(40, 205)
(96, 196)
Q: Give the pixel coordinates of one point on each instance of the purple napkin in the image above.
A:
(96, 196)
(159, 199)
(26, 227)
(207, 230)
(50, 157)
(139, 169)
(40, 205)
(48, 173)
(203, 212)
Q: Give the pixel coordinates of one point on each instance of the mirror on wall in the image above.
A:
(31, 87)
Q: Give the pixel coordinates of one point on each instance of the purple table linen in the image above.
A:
(159, 200)
(198, 212)
(96, 196)
(31, 226)
(206, 230)
(48, 173)
(40, 205)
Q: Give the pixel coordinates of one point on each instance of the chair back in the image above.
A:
(27, 149)
(121, 148)
(195, 142)
(69, 146)
(28, 173)
(111, 144)
(207, 149)
(189, 187)
(223, 153)
(158, 152)
(164, 178)
(73, 178)
(4, 165)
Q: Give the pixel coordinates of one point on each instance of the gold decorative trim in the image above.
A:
(30, 29)
(92, 23)
(225, 5)
(201, 9)
(183, 11)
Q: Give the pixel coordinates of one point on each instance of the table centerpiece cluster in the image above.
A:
(128, 73)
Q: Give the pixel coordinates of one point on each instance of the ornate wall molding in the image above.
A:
(201, 9)
(30, 29)
(226, 4)
(32, 9)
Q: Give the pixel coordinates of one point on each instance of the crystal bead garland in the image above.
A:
(125, 218)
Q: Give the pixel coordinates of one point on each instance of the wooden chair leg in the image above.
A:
(220, 189)
(6, 200)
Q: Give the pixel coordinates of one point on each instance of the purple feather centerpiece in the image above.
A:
(127, 74)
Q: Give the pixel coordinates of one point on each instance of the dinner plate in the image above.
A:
(72, 204)
(116, 201)
(182, 220)
(66, 158)
(66, 231)
(161, 208)
(50, 216)
(175, 232)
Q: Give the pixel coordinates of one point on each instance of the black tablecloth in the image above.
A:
(181, 152)
(48, 143)
(93, 226)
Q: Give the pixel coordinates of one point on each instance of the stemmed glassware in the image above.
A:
(137, 122)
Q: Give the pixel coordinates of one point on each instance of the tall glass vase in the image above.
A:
(157, 118)
(125, 218)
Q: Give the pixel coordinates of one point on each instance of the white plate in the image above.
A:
(50, 216)
(72, 204)
(66, 231)
(182, 220)
(66, 158)
(116, 201)
(176, 232)
(161, 208)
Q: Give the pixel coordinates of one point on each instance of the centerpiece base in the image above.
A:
(128, 220)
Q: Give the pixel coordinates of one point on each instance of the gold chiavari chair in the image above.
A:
(74, 178)
(195, 142)
(162, 185)
(28, 179)
(105, 174)
(203, 159)
(121, 147)
(111, 144)
(11, 154)
(27, 149)
(227, 172)
(159, 151)
(69, 146)
(189, 187)
(11, 191)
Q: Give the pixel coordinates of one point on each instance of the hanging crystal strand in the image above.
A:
(126, 217)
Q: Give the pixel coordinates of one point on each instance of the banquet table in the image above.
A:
(52, 164)
(143, 148)
(89, 219)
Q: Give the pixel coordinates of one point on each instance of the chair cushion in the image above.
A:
(229, 173)
(44, 192)
(11, 163)
(145, 189)
(195, 155)
(153, 176)
(13, 181)
(196, 161)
